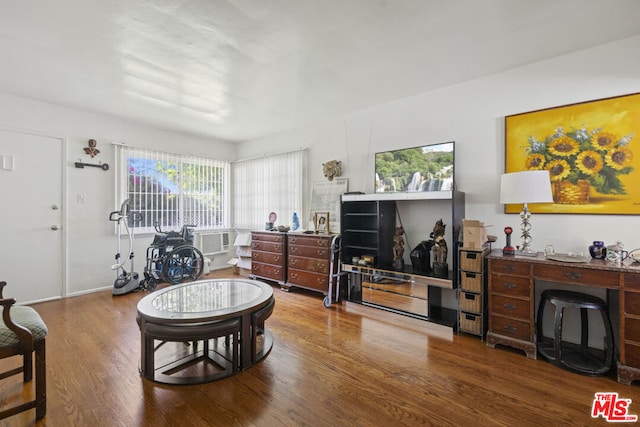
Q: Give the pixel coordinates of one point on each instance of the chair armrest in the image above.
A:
(24, 335)
(2, 285)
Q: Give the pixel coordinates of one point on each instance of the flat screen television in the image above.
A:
(424, 168)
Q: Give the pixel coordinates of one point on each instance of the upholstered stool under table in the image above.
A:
(575, 358)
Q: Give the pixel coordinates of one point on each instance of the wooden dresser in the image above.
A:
(512, 311)
(309, 262)
(269, 255)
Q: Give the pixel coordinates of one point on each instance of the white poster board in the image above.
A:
(326, 198)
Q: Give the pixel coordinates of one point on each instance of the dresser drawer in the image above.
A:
(310, 251)
(512, 307)
(307, 279)
(510, 285)
(268, 237)
(268, 271)
(518, 329)
(586, 276)
(321, 242)
(632, 281)
(309, 264)
(499, 266)
(632, 303)
(268, 258)
(260, 245)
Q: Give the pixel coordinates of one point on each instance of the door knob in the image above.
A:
(54, 207)
(54, 227)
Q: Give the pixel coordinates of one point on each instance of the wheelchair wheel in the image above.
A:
(182, 264)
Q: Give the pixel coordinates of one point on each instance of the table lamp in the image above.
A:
(525, 187)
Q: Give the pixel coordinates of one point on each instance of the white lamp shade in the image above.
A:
(525, 187)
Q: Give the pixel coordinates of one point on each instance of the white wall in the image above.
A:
(472, 114)
(91, 243)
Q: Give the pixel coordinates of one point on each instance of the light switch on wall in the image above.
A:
(80, 198)
(6, 161)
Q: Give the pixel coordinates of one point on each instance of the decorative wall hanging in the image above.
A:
(332, 169)
(91, 150)
(588, 149)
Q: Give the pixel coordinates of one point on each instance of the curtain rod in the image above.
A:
(269, 155)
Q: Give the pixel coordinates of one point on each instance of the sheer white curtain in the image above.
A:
(269, 184)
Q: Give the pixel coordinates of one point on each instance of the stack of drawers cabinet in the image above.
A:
(269, 255)
(473, 293)
(309, 262)
(511, 306)
(629, 367)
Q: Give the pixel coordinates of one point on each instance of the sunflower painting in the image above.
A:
(588, 149)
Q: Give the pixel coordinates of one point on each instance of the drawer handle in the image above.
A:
(510, 328)
(293, 250)
(509, 268)
(276, 271)
(573, 275)
(294, 276)
(319, 281)
(276, 259)
(322, 252)
(276, 247)
(293, 261)
(510, 306)
(293, 239)
(509, 285)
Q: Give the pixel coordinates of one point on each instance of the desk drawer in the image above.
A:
(576, 275)
(510, 285)
(518, 329)
(499, 266)
(512, 307)
(309, 264)
(632, 281)
(632, 329)
(631, 355)
(632, 303)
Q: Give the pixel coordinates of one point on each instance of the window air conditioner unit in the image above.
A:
(213, 243)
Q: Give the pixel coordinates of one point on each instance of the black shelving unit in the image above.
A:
(368, 224)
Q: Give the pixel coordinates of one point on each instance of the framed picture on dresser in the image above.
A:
(321, 221)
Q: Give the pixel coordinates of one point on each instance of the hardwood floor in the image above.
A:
(347, 365)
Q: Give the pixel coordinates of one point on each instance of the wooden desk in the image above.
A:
(512, 308)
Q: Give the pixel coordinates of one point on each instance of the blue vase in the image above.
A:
(296, 222)
(598, 250)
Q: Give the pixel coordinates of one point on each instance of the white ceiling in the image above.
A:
(242, 69)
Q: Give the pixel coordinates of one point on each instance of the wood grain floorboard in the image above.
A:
(348, 365)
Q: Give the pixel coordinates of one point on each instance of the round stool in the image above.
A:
(573, 357)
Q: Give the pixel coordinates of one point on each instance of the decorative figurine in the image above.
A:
(421, 257)
(398, 249)
(508, 250)
(440, 266)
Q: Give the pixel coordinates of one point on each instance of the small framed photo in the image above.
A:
(321, 222)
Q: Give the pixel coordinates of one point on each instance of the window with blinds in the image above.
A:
(170, 190)
(269, 184)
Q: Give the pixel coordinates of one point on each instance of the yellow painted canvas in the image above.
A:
(590, 149)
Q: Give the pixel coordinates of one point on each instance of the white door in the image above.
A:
(31, 240)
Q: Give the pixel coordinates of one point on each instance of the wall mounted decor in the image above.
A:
(588, 149)
(91, 149)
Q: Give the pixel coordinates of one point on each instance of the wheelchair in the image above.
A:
(172, 258)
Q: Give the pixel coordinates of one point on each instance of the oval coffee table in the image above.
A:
(225, 315)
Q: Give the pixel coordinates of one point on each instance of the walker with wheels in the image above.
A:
(171, 257)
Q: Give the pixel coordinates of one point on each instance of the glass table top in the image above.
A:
(204, 297)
